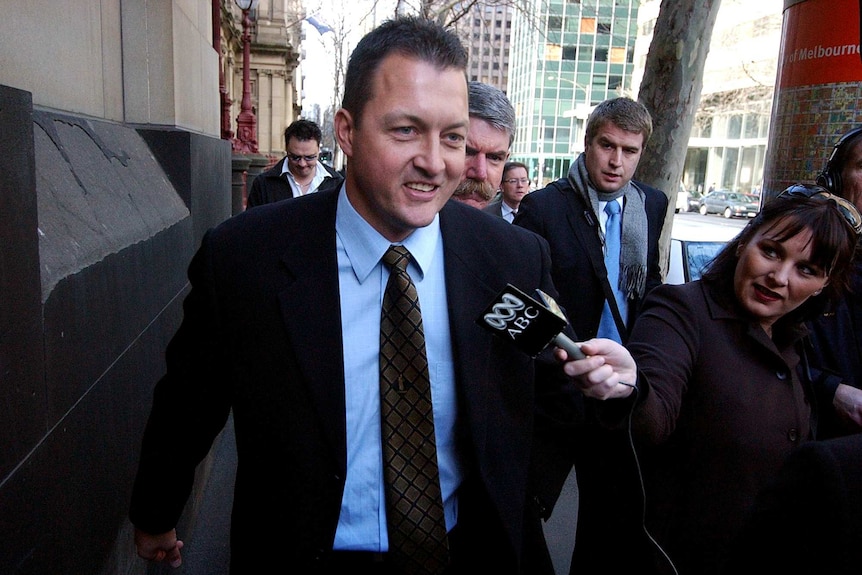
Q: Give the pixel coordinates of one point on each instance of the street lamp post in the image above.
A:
(246, 123)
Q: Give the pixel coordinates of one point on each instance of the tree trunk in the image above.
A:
(673, 78)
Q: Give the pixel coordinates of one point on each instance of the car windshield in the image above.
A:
(697, 255)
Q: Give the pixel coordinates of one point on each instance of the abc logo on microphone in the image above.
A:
(515, 316)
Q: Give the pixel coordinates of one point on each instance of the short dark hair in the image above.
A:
(409, 36)
(512, 165)
(490, 103)
(833, 244)
(303, 130)
(624, 113)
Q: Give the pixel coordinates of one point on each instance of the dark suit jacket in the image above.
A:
(809, 520)
(261, 335)
(495, 207)
(609, 494)
(554, 213)
(270, 186)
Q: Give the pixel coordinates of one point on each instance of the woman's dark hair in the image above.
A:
(409, 36)
(833, 243)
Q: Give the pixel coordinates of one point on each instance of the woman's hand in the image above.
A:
(608, 372)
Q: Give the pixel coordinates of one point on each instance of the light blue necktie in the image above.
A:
(607, 326)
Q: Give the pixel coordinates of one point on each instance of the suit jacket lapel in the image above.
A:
(311, 313)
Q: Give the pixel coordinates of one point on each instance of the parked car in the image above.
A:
(687, 201)
(730, 204)
(693, 245)
(694, 200)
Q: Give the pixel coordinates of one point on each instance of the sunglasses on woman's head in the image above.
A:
(845, 207)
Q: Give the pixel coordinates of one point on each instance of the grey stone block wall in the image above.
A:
(99, 223)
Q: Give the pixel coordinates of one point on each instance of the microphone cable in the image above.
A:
(641, 480)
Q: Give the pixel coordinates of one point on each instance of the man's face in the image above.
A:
(407, 154)
(299, 154)
(612, 157)
(515, 186)
(851, 176)
(487, 152)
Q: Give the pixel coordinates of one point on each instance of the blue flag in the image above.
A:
(321, 27)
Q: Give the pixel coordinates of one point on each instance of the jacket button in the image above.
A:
(793, 435)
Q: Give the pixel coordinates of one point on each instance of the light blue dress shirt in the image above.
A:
(362, 280)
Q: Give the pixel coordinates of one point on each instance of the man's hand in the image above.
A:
(164, 547)
(848, 404)
(608, 372)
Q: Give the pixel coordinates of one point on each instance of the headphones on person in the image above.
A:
(830, 177)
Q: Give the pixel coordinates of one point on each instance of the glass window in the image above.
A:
(734, 126)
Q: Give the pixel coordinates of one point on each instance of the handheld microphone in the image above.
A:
(529, 324)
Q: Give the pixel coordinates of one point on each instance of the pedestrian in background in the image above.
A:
(514, 185)
(604, 264)
(836, 334)
(299, 172)
(492, 131)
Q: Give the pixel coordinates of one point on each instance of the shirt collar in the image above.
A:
(319, 170)
(365, 246)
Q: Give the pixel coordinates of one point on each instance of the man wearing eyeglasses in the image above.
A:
(492, 130)
(299, 172)
(515, 185)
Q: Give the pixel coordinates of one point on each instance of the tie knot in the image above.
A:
(397, 257)
(612, 208)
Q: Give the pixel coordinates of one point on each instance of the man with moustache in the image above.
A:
(492, 131)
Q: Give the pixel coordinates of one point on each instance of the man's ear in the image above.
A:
(344, 127)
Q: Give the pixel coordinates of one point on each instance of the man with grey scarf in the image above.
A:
(570, 214)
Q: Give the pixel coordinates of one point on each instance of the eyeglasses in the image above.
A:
(524, 181)
(845, 207)
(295, 158)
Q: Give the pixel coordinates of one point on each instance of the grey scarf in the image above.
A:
(633, 243)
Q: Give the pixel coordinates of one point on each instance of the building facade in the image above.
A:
(566, 57)
(728, 144)
(274, 78)
(486, 32)
(112, 169)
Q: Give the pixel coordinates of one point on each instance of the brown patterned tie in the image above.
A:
(414, 506)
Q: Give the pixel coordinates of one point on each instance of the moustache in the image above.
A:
(470, 188)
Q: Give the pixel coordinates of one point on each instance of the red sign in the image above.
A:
(820, 43)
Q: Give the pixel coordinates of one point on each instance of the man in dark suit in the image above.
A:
(288, 340)
(602, 300)
(299, 172)
(492, 131)
(514, 186)
(836, 335)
